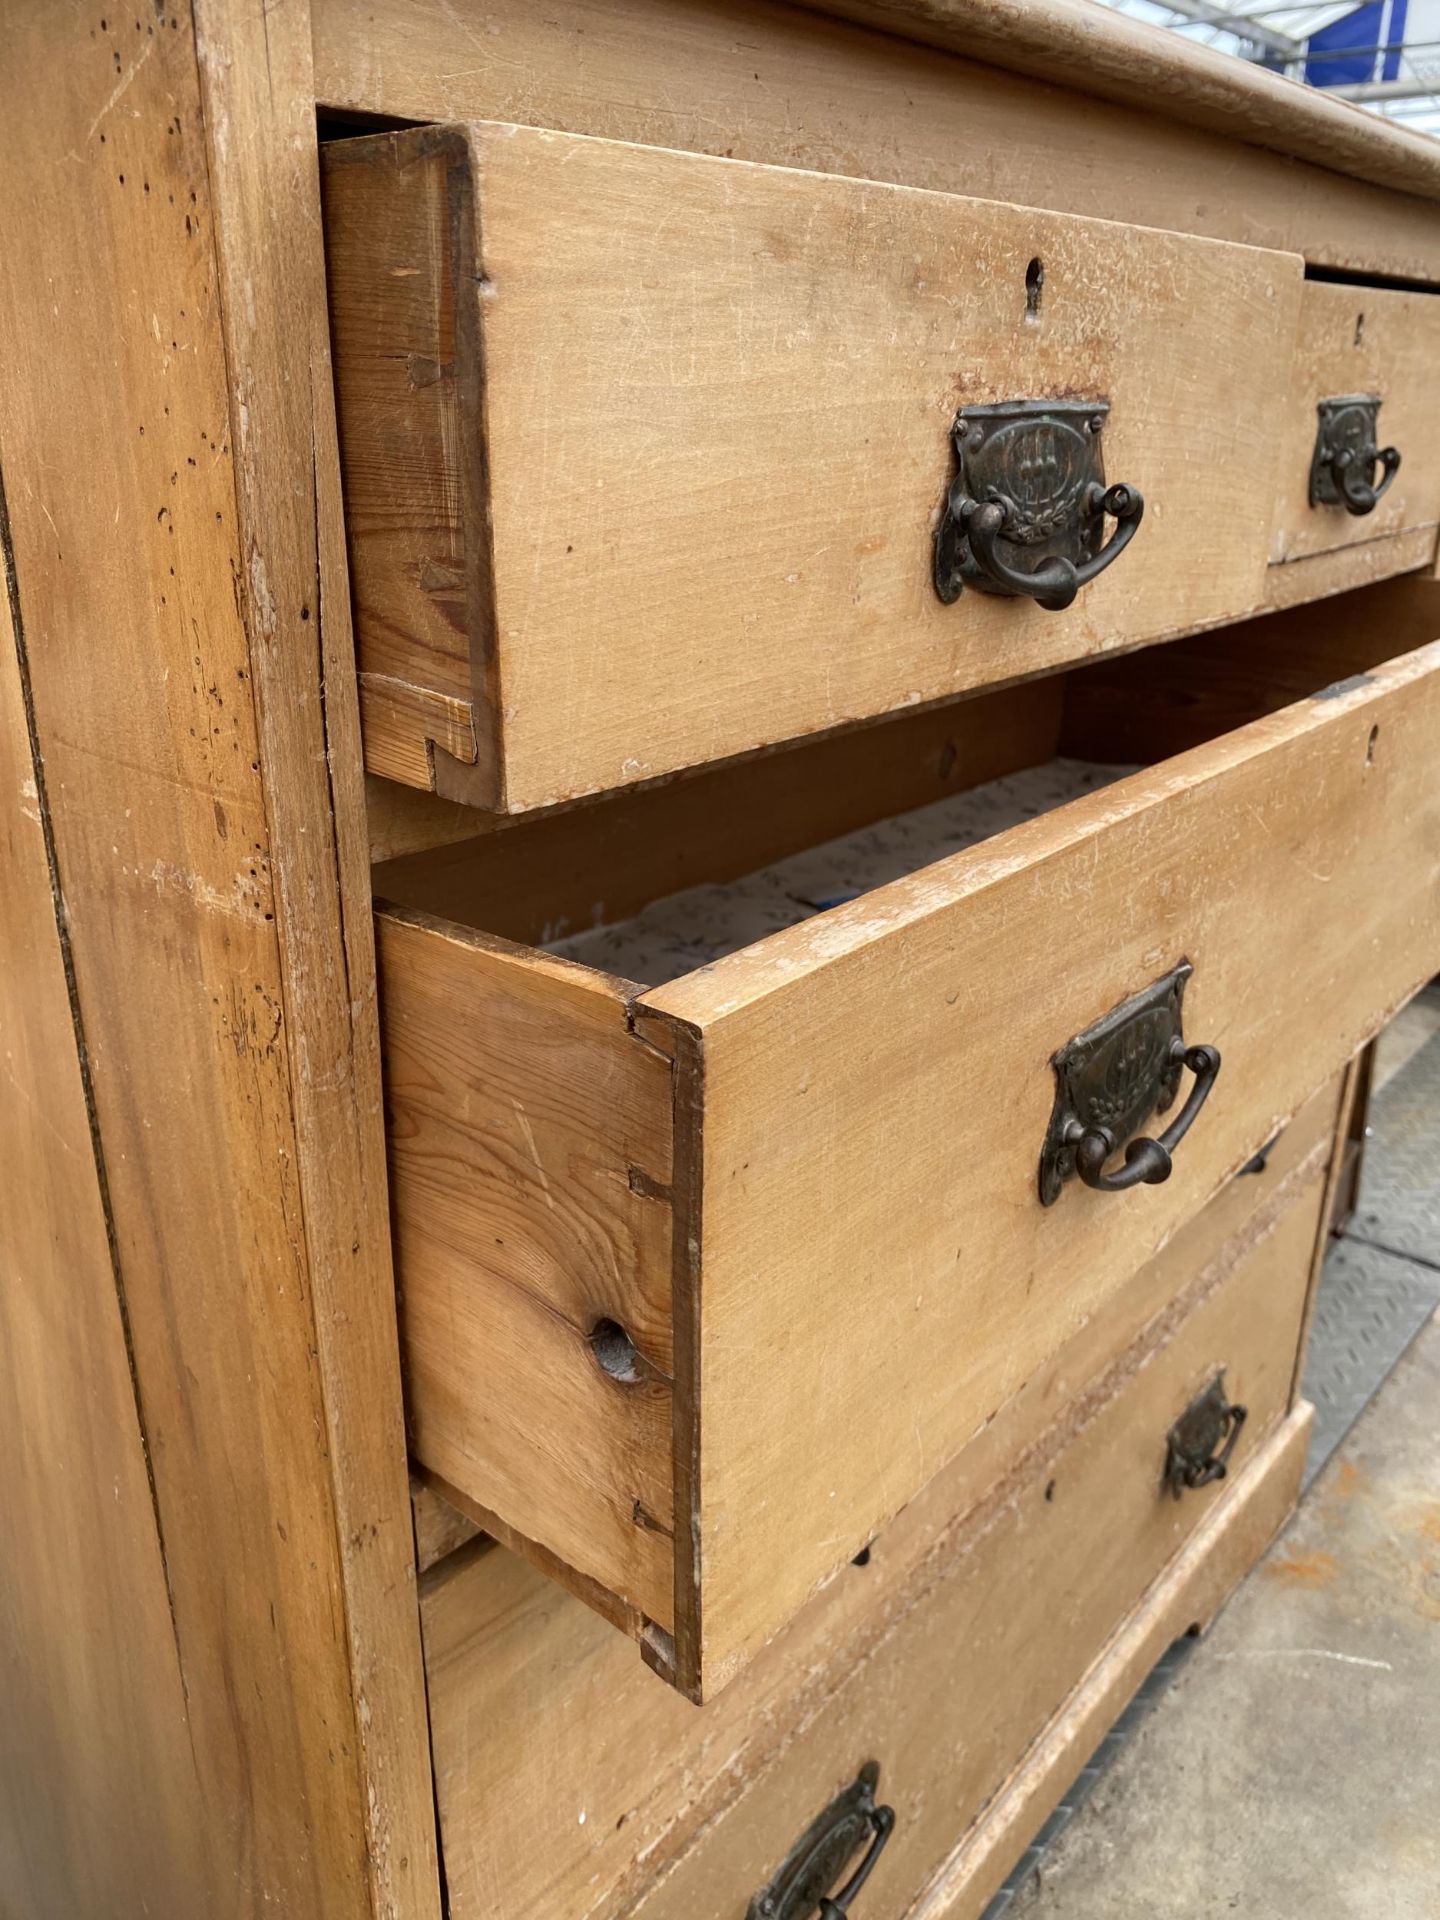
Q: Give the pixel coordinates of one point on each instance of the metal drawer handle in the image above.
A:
(883, 1820)
(1147, 1162)
(1358, 492)
(1199, 1445)
(1111, 1078)
(1342, 468)
(799, 1888)
(1056, 581)
(1025, 513)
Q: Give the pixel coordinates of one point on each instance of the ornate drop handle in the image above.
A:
(1347, 453)
(1056, 581)
(1111, 1078)
(799, 1889)
(1147, 1162)
(1199, 1445)
(1024, 515)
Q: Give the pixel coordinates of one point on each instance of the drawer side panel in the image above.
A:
(530, 1152)
(400, 249)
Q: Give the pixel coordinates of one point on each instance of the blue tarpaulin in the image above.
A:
(1364, 45)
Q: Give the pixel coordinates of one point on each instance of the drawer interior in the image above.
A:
(753, 845)
(642, 1214)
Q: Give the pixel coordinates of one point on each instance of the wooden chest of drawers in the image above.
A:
(879, 562)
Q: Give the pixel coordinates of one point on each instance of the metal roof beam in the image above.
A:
(1206, 13)
(1413, 87)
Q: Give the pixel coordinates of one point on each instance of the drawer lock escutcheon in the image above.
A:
(1025, 514)
(801, 1888)
(1110, 1079)
(1347, 455)
(1199, 1445)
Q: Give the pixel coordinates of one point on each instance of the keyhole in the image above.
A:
(1034, 286)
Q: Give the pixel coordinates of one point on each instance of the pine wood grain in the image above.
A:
(688, 510)
(910, 1659)
(100, 1803)
(1362, 340)
(1367, 561)
(179, 571)
(797, 88)
(440, 1529)
(1120, 58)
(851, 1136)
(530, 1150)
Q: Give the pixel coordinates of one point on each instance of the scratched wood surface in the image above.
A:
(572, 1779)
(178, 570)
(791, 86)
(1184, 1601)
(1120, 58)
(100, 1804)
(688, 509)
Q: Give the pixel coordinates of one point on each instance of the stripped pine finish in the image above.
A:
(651, 324)
(644, 451)
(175, 552)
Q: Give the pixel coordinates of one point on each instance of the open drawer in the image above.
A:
(703, 1280)
(645, 453)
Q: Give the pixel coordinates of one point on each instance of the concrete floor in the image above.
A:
(1290, 1768)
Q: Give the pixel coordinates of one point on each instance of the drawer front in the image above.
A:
(1354, 343)
(644, 451)
(796, 1193)
(873, 1273)
(592, 1792)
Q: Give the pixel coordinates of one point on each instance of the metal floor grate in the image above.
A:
(1379, 1285)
